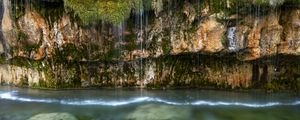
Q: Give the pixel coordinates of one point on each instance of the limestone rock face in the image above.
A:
(290, 43)
(35, 31)
(171, 32)
(34, 25)
(209, 36)
(259, 37)
(170, 44)
(20, 76)
(267, 35)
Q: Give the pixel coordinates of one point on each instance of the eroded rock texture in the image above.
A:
(173, 43)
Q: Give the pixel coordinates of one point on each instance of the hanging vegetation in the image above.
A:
(112, 11)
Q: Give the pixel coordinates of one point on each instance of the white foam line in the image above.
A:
(105, 103)
(296, 103)
(12, 96)
(255, 105)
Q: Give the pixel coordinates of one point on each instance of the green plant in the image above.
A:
(111, 11)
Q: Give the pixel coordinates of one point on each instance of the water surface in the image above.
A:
(115, 104)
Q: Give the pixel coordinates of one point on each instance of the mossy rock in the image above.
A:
(53, 116)
(159, 112)
(112, 11)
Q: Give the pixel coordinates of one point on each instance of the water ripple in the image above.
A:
(13, 96)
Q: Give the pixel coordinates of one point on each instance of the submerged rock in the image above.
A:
(159, 112)
(53, 116)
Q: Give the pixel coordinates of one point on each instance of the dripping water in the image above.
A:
(121, 29)
(276, 61)
(140, 38)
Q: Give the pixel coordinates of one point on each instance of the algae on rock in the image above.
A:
(111, 11)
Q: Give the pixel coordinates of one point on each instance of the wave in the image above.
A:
(12, 96)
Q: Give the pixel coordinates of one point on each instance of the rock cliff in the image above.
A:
(155, 43)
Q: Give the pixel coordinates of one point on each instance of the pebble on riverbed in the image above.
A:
(159, 112)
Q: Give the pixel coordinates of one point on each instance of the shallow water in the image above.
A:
(115, 104)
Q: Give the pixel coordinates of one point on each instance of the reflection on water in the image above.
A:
(19, 104)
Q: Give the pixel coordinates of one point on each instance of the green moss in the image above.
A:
(298, 83)
(166, 46)
(24, 45)
(111, 11)
(22, 36)
(17, 9)
(217, 6)
(271, 87)
(130, 46)
(23, 81)
(112, 54)
(42, 84)
(224, 40)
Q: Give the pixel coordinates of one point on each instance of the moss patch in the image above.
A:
(111, 11)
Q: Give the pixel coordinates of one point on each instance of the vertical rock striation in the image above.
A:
(218, 44)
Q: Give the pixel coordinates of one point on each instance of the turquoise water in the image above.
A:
(115, 104)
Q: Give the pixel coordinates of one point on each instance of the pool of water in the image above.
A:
(139, 104)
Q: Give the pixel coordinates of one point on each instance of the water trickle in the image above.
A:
(233, 44)
(139, 22)
(121, 30)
